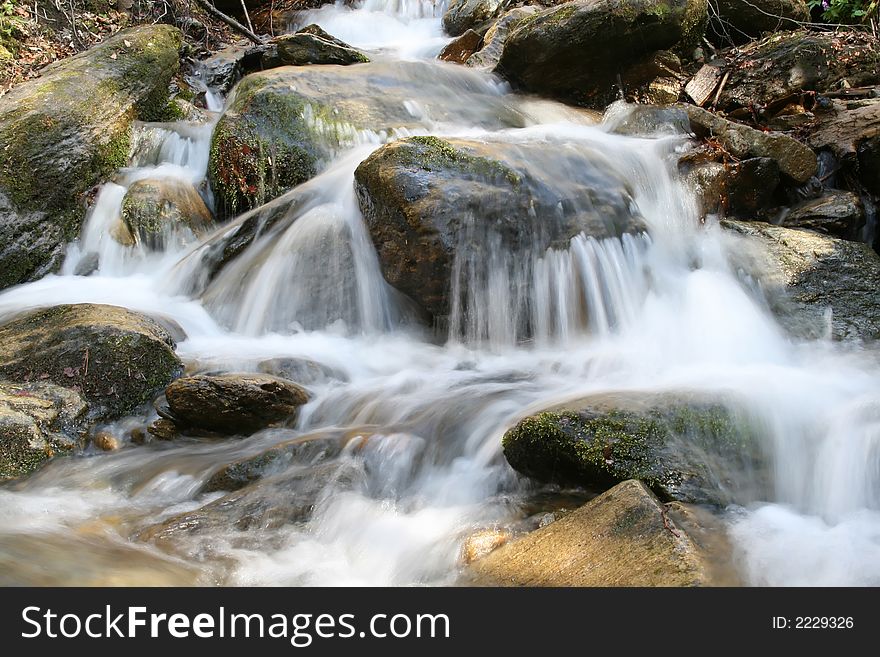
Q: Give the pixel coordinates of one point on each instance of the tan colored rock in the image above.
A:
(483, 542)
(624, 537)
(106, 441)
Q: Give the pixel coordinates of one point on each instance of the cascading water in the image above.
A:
(404, 425)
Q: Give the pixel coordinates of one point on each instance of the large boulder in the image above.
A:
(624, 537)
(739, 21)
(283, 124)
(158, 211)
(788, 63)
(817, 284)
(683, 447)
(577, 50)
(115, 358)
(795, 160)
(37, 421)
(428, 201)
(233, 404)
(68, 130)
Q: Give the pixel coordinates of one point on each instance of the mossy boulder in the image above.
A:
(67, 131)
(115, 358)
(428, 201)
(158, 211)
(577, 50)
(496, 36)
(740, 21)
(38, 420)
(816, 284)
(624, 537)
(683, 449)
(234, 404)
(787, 63)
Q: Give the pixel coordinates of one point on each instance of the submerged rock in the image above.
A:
(739, 21)
(685, 449)
(37, 421)
(483, 542)
(302, 370)
(69, 130)
(788, 63)
(234, 403)
(428, 201)
(817, 284)
(115, 358)
(624, 537)
(156, 209)
(576, 50)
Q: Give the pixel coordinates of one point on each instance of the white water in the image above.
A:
(421, 465)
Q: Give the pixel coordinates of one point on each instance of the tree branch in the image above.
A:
(231, 22)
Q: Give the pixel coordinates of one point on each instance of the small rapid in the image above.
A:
(401, 441)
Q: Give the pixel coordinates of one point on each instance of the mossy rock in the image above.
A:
(312, 45)
(284, 124)
(576, 51)
(156, 211)
(116, 359)
(38, 421)
(428, 201)
(69, 130)
(464, 15)
(688, 451)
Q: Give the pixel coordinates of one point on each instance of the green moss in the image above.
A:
(434, 154)
(598, 449)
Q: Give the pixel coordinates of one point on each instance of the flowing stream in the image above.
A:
(402, 458)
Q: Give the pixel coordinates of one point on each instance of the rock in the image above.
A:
(159, 211)
(656, 79)
(708, 180)
(836, 213)
(788, 63)
(427, 201)
(852, 135)
(795, 159)
(481, 543)
(117, 359)
(284, 123)
(621, 538)
(646, 120)
(739, 21)
(302, 370)
(685, 448)
(458, 50)
(37, 422)
(304, 451)
(314, 46)
(575, 51)
(807, 275)
(163, 429)
(106, 441)
(464, 15)
(69, 130)
(751, 186)
(234, 403)
(493, 41)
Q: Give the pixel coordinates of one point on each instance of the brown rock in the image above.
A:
(106, 441)
(624, 537)
(234, 403)
(163, 429)
(459, 49)
(483, 542)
